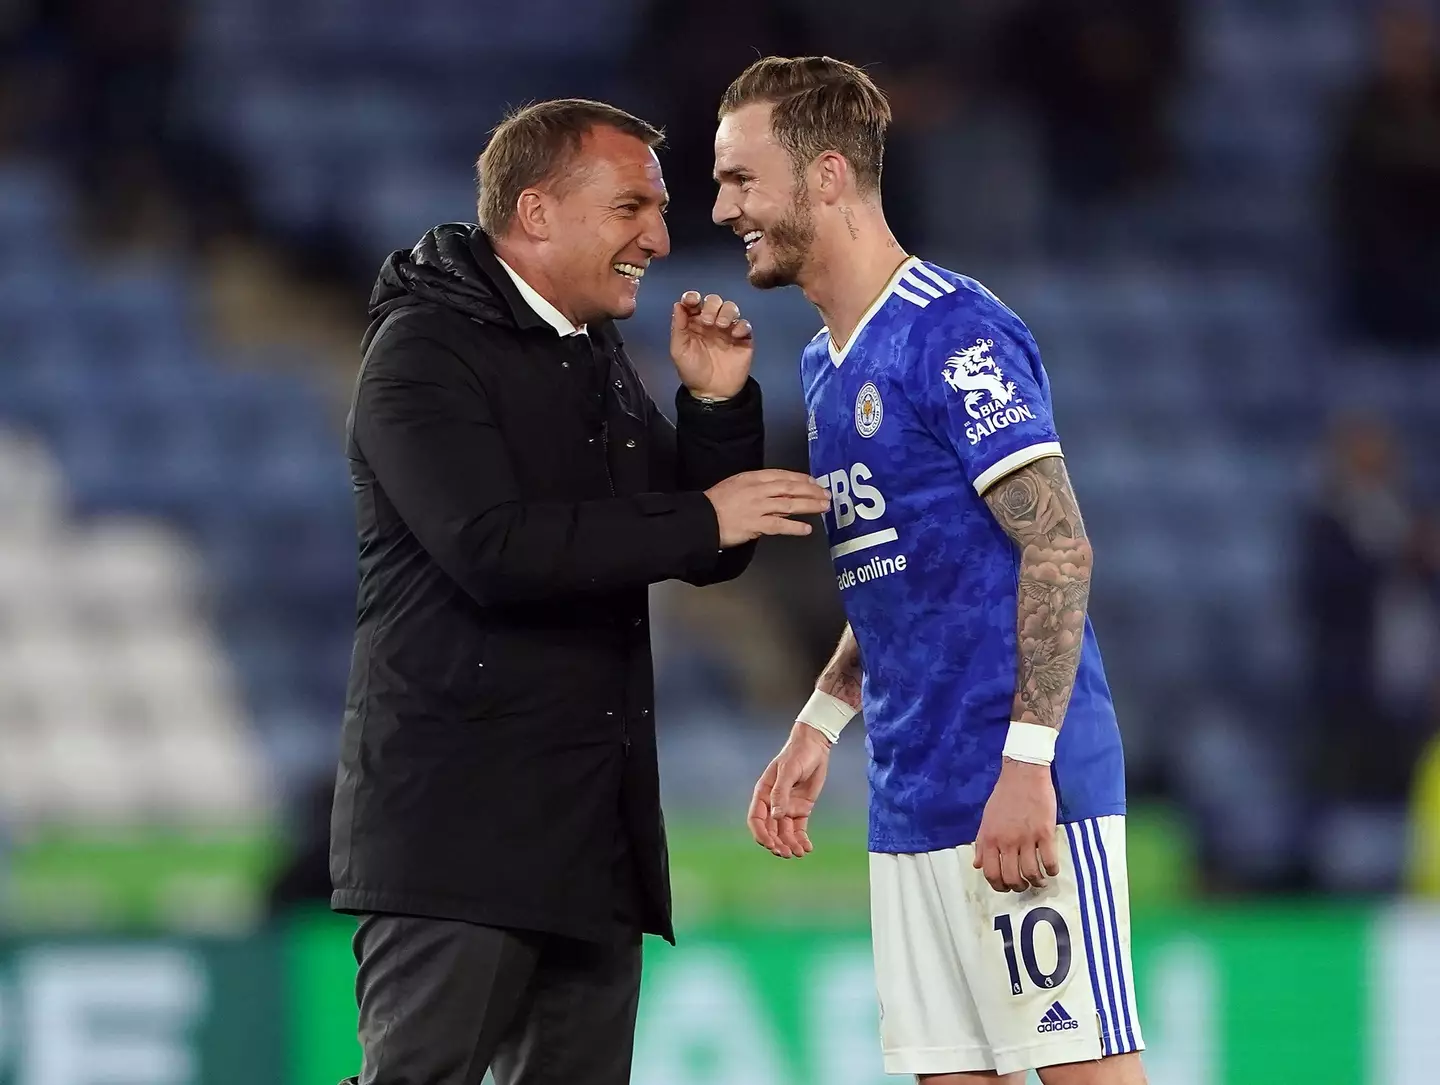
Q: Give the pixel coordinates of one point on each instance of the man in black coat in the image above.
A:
(497, 823)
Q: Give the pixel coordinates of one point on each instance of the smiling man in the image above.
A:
(964, 566)
(497, 821)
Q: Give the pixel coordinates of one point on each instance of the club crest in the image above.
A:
(868, 410)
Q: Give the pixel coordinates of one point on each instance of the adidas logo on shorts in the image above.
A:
(1056, 1020)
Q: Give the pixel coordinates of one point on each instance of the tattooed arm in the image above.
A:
(841, 676)
(1036, 506)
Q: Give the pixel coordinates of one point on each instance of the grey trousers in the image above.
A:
(441, 1001)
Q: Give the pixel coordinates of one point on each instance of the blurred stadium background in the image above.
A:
(1220, 217)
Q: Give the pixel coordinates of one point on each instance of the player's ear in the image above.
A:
(830, 174)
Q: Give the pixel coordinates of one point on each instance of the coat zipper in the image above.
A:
(610, 481)
(609, 478)
(605, 451)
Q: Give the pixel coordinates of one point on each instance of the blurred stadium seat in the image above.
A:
(129, 709)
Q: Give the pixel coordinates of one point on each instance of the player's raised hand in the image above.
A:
(785, 794)
(1016, 842)
(712, 348)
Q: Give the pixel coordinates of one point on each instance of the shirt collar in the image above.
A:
(543, 309)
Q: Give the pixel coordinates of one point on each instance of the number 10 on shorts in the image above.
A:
(1033, 918)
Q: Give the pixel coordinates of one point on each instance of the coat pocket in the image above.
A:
(568, 690)
(447, 676)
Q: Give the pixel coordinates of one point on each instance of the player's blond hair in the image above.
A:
(820, 104)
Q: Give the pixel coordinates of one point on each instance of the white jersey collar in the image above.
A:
(838, 356)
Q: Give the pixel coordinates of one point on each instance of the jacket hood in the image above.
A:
(452, 265)
(455, 266)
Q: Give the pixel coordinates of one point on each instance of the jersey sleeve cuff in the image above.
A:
(1014, 462)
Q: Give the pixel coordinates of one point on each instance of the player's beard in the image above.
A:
(789, 242)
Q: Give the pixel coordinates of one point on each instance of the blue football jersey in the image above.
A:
(938, 394)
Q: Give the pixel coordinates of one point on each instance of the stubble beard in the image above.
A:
(789, 241)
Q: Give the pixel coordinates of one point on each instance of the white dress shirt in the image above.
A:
(543, 309)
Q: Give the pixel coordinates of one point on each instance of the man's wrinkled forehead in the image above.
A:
(621, 164)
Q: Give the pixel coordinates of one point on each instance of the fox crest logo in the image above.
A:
(975, 373)
(868, 410)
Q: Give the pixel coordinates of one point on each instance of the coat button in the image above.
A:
(564, 365)
(644, 712)
(591, 441)
(630, 443)
(619, 385)
(637, 623)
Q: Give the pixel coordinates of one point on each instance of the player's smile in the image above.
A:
(751, 238)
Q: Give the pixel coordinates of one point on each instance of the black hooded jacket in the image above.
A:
(516, 493)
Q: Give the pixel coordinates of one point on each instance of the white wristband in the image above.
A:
(1032, 743)
(827, 714)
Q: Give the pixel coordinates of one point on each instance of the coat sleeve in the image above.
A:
(425, 427)
(708, 444)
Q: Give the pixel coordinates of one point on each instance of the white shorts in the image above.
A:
(971, 979)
